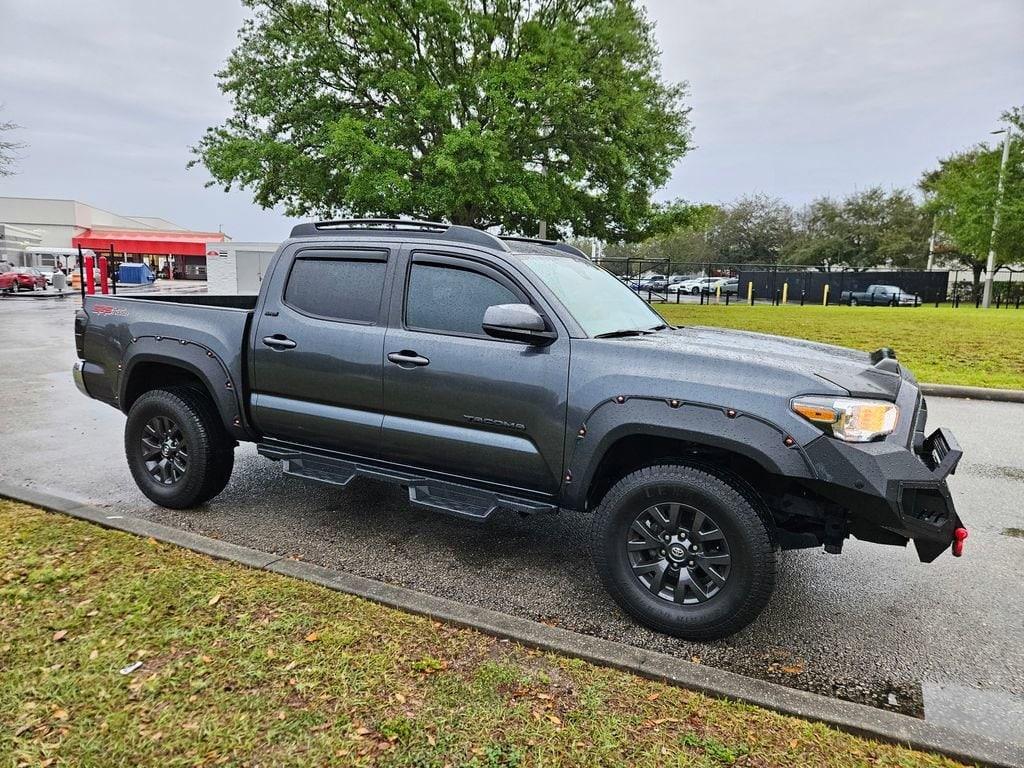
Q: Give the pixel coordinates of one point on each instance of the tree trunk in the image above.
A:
(977, 268)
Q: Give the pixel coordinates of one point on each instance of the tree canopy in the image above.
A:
(754, 230)
(863, 230)
(481, 112)
(961, 193)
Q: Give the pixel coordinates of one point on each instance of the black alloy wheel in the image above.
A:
(164, 450)
(678, 553)
(177, 447)
(688, 550)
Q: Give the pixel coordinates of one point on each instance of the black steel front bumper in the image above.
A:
(894, 490)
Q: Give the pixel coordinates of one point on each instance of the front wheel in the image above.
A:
(685, 551)
(177, 448)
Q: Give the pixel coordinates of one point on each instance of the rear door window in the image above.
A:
(337, 285)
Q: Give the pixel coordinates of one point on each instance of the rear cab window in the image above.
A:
(339, 285)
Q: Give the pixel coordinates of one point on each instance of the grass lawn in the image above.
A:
(976, 347)
(244, 667)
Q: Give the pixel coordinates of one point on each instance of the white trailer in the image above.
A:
(235, 268)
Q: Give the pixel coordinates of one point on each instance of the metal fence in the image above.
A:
(658, 281)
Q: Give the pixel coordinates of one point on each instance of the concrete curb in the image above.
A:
(974, 393)
(853, 718)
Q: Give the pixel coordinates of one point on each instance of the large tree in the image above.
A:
(753, 230)
(865, 229)
(481, 112)
(961, 194)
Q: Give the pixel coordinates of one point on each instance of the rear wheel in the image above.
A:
(685, 550)
(178, 451)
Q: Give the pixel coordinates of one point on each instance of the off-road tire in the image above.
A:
(211, 452)
(740, 515)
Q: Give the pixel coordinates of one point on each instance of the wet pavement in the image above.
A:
(873, 625)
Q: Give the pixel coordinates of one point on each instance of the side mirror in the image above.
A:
(517, 322)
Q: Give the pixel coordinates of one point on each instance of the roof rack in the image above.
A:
(384, 226)
(558, 246)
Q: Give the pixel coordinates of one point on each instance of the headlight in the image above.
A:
(855, 421)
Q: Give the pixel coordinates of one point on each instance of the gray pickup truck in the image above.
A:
(880, 296)
(488, 373)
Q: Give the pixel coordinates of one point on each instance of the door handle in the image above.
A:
(407, 359)
(279, 341)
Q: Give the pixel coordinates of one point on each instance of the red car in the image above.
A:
(22, 279)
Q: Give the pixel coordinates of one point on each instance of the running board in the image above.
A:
(463, 501)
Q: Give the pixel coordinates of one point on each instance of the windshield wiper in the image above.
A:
(624, 332)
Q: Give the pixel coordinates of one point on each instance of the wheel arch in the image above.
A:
(147, 369)
(613, 443)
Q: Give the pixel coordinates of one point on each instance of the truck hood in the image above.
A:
(848, 369)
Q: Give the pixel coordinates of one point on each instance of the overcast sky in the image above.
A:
(795, 98)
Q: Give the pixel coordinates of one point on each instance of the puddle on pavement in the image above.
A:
(989, 712)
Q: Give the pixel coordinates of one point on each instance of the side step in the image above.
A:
(463, 501)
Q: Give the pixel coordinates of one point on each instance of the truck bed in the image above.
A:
(202, 300)
(205, 327)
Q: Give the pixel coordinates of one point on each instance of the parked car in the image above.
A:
(697, 285)
(880, 296)
(22, 279)
(652, 283)
(731, 287)
(48, 272)
(483, 373)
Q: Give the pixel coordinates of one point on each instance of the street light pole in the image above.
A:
(986, 298)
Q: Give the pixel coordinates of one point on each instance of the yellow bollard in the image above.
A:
(824, 297)
(785, 293)
(750, 291)
(718, 294)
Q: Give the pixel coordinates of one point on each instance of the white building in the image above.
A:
(72, 224)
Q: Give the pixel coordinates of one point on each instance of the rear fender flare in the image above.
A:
(703, 424)
(198, 360)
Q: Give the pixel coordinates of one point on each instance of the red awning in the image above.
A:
(177, 242)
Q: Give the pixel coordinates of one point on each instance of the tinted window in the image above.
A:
(339, 289)
(452, 300)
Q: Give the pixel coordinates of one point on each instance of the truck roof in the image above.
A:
(432, 230)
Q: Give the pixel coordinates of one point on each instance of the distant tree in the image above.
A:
(961, 194)
(864, 230)
(8, 149)
(480, 112)
(753, 230)
(684, 246)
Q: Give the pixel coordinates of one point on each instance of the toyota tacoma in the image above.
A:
(487, 373)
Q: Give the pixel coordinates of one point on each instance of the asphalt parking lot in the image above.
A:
(873, 625)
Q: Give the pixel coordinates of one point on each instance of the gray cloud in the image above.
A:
(794, 98)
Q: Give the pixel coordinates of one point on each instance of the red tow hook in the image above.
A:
(958, 541)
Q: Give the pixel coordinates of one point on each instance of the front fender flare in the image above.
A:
(706, 424)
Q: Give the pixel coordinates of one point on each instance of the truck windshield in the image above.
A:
(595, 298)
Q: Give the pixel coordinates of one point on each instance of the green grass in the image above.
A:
(244, 667)
(975, 347)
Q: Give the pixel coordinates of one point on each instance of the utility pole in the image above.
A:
(986, 299)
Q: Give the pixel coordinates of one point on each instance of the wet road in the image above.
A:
(873, 625)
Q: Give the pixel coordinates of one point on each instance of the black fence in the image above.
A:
(661, 281)
(810, 286)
